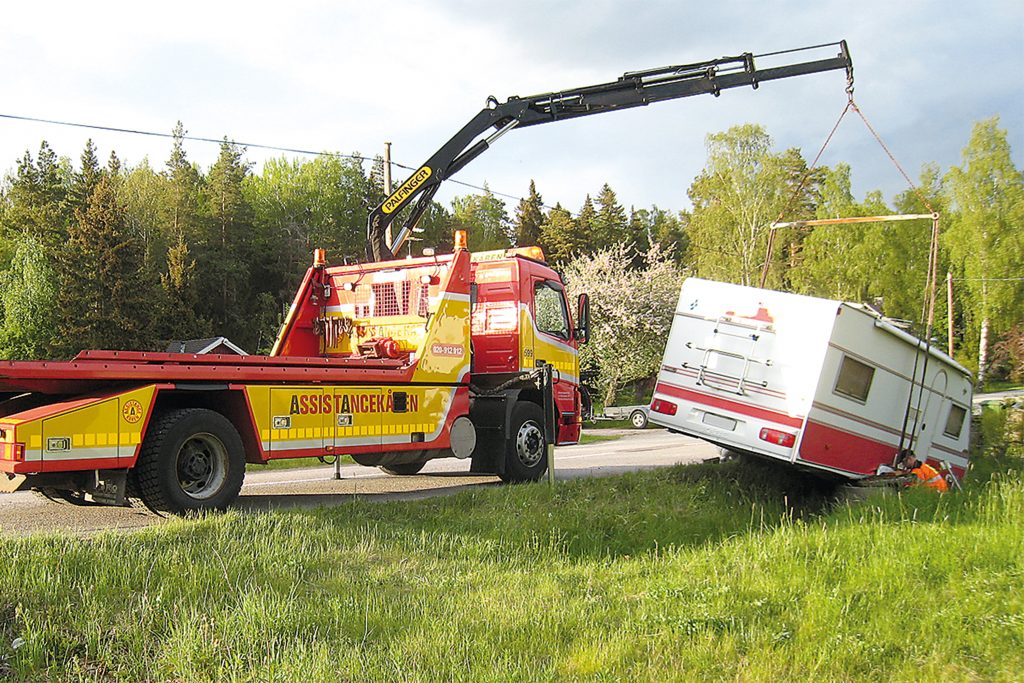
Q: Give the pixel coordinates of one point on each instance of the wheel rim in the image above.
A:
(202, 465)
(638, 420)
(530, 444)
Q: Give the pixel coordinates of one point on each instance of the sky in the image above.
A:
(347, 76)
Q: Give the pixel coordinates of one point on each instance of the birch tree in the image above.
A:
(742, 189)
(986, 238)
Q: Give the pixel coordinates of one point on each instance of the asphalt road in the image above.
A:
(26, 513)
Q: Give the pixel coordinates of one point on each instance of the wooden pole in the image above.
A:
(949, 310)
(387, 185)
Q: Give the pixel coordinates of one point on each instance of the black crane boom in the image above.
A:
(632, 89)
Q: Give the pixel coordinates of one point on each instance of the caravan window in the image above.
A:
(854, 380)
(955, 421)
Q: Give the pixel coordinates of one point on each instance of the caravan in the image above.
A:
(823, 385)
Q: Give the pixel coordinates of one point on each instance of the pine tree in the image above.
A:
(178, 317)
(36, 201)
(86, 179)
(182, 206)
(610, 224)
(529, 218)
(224, 275)
(104, 298)
(560, 236)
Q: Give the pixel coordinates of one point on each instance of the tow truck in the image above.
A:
(393, 361)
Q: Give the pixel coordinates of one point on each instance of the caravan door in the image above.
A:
(931, 414)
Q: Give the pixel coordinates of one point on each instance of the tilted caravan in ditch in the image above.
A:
(820, 384)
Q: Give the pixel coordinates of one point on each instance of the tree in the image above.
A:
(985, 240)
(224, 276)
(85, 180)
(184, 189)
(178, 317)
(560, 237)
(27, 294)
(529, 218)
(740, 192)
(610, 223)
(104, 298)
(827, 266)
(662, 227)
(631, 310)
(484, 219)
(36, 200)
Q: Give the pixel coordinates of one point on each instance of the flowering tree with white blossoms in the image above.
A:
(631, 311)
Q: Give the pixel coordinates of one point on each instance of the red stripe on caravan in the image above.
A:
(727, 404)
(825, 445)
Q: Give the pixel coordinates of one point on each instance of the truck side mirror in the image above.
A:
(583, 318)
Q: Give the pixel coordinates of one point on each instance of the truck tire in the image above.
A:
(404, 469)
(638, 419)
(192, 459)
(525, 448)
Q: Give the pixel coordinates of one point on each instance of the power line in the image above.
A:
(254, 145)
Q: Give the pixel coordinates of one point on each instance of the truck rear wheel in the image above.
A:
(526, 448)
(404, 469)
(192, 459)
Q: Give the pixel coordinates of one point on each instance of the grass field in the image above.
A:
(730, 571)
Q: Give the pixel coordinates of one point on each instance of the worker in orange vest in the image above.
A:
(927, 475)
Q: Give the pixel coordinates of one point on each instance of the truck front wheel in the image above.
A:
(192, 459)
(526, 448)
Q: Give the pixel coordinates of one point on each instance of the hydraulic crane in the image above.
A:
(632, 89)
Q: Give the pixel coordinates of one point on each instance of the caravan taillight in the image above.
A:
(777, 437)
(664, 407)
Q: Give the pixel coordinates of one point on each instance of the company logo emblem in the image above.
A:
(131, 411)
(407, 188)
(450, 350)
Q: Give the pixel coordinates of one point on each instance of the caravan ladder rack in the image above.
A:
(741, 380)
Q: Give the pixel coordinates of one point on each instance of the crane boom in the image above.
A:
(632, 89)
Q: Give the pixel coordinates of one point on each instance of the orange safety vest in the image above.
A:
(930, 477)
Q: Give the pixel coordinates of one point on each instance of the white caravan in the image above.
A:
(821, 384)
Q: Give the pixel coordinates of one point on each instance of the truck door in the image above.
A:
(552, 345)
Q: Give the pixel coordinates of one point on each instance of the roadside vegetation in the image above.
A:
(735, 570)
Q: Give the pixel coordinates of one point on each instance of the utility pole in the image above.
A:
(949, 309)
(387, 182)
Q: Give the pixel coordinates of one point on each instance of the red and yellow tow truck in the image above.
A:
(393, 361)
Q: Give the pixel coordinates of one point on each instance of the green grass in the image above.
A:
(732, 571)
(597, 438)
(613, 424)
(1002, 385)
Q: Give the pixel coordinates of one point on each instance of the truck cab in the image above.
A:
(521, 321)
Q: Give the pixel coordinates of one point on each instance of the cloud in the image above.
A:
(349, 76)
